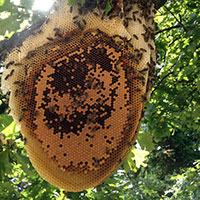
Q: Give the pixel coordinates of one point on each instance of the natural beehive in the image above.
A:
(78, 87)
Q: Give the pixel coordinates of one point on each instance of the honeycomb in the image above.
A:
(78, 90)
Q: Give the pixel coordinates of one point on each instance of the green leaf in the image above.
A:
(82, 2)
(8, 6)
(24, 164)
(146, 141)
(196, 112)
(75, 196)
(111, 181)
(2, 2)
(72, 2)
(11, 129)
(5, 166)
(5, 120)
(9, 24)
(27, 3)
(198, 85)
(108, 6)
(126, 166)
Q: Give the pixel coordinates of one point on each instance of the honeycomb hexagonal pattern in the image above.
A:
(79, 99)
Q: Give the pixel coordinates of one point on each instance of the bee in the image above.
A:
(16, 92)
(143, 83)
(129, 144)
(121, 15)
(80, 26)
(35, 113)
(61, 118)
(137, 50)
(152, 36)
(134, 18)
(139, 77)
(129, 116)
(9, 111)
(143, 98)
(139, 56)
(51, 64)
(131, 56)
(10, 63)
(57, 32)
(152, 61)
(145, 28)
(130, 45)
(142, 114)
(64, 78)
(128, 127)
(84, 22)
(75, 17)
(49, 38)
(26, 91)
(107, 150)
(136, 37)
(149, 65)
(30, 55)
(28, 103)
(116, 69)
(139, 20)
(47, 125)
(6, 78)
(128, 9)
(135, 12)
(96, 164)
(71, 9)
(144, 50)
(26, 70)
(95, 13)
(24, 109)
(52, 109)
(21, 118)
(136, 60)
(40, 31)
(47, 21)
(144, 70)
(150, 46)
(18, 64)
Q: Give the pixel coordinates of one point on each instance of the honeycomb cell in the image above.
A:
(79, 98)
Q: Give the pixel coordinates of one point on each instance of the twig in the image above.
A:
(163, 78)
(176, 18)
(168, 29)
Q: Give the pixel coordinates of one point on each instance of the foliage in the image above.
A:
(170, 130)
(187, 184)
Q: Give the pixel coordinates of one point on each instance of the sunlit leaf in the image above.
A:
(140, 157)
(5, 120)
(11, 129)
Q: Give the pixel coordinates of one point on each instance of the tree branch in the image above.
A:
(168, 29)
(175, 17)
(163, 78)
